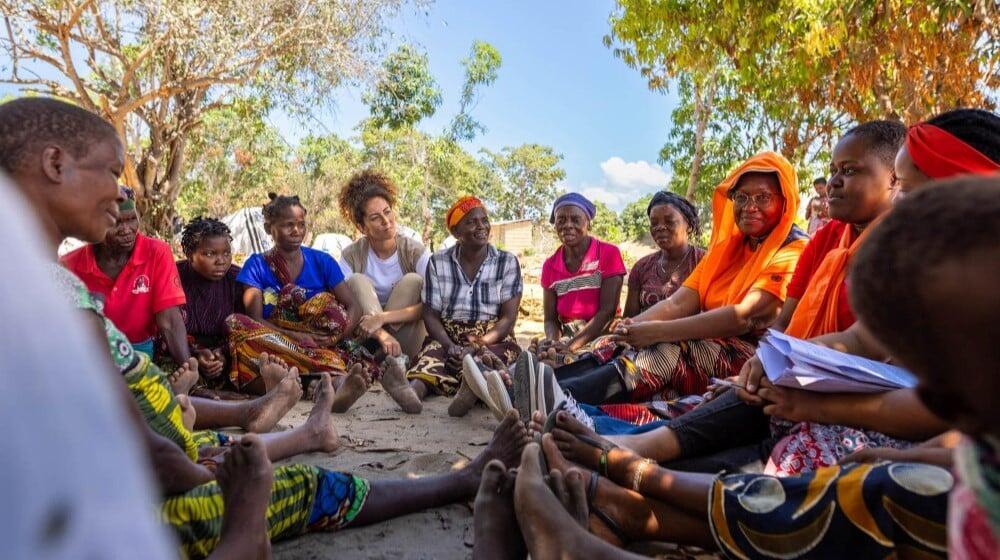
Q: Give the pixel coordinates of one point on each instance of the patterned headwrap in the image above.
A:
(573, 199)
(938, 153)
(126, 199)
(461, 207)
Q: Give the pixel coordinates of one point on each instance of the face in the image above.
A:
(820, 188)
(908, 176)
(668, 227)
(572, 225)
(861, 185)
(473, 230)
(213, 257)
(758, 219)
(379, 221)
(289, 228)
(83, 197)
(122, 236)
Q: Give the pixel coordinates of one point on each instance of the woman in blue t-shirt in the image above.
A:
(298, 309)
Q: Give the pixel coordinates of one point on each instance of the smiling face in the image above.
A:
(572, 225)
(668, 227)
(861, 185)
(473, 230)
(212, 257)
(379, 222)
(762, 204)
(288, 228)
(83, 197)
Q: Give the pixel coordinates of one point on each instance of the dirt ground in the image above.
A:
(380, 442)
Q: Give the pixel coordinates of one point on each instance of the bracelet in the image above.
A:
(637, 477)
(602, 463)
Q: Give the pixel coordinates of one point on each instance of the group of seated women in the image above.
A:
(902, 272)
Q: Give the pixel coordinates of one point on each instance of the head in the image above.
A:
(285, 221)
(207, 244)
(122, 237)
(819, 185)
(469, 223)
(67, 160)
(672, 218)
(929, 152)
(925, 285)
(757, 203)
(862, 183)
(571, 215)
(369, 202)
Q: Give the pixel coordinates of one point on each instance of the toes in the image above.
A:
(530, 467)
(493, 477)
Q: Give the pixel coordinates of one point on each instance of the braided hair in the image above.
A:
(682, 205)
(976, 127)
(277, 206)
(362, 187)
(200, 229)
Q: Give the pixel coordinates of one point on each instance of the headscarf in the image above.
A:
(573, 199)
(126, 199)
(816, 312)
(727, 240)
(461, 207)
(938, 153)
(681, 204)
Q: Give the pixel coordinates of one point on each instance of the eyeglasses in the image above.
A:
(760, 200)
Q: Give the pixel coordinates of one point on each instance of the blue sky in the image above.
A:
(558, 86)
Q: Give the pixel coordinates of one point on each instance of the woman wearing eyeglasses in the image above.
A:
(709, 326)
(385, 271)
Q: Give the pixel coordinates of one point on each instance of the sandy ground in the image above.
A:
(381, 442)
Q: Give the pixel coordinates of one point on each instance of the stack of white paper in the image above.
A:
(799, 364)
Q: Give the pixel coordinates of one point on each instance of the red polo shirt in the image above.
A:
(148, 284)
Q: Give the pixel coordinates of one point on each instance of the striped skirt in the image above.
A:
(670, 370)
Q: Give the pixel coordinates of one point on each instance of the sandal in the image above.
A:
(609, 522)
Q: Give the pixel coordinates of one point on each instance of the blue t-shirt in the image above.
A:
(320, 273)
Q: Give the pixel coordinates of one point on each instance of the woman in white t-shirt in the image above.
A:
(385, 269)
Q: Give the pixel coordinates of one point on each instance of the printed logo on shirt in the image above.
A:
(589, 266)
(141, 285)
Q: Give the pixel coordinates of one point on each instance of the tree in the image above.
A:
(605, 224)
(633, 219)
(529, 176)
(155, 68)
(481, 69)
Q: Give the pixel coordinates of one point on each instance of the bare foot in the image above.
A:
(184, 378)
(265, 411)
(394, 382)
(188, 413)
(272, 370)
(320, 424)
(351, 389)
(508, 441)
(462, 402)
(245, 478)
(577, 442)
(497, 536)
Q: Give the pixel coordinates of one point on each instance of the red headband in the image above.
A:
(938, 153)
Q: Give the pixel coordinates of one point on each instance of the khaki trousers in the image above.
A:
(405, 293)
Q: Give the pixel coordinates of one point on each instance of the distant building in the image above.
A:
(514, 236)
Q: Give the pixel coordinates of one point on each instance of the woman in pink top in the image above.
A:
(582, 280)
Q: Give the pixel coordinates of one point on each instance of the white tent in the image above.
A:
(249, 235)
(331, 243)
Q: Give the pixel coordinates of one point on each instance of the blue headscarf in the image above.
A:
(573, 199)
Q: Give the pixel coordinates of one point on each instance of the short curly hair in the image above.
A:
(29, 124)
(362, 187)
(200, 229)
(882, 138)
(279, 203)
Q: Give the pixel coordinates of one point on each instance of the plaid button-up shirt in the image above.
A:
(448, 291)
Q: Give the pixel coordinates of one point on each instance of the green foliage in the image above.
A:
(481, 69)
(406, 93)
(528, 180)
(633, 219)
(605, 224)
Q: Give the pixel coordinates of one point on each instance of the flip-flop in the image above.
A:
(523, 383)
(612, 525)
(499, 400)
(474, 379)
(550, 421)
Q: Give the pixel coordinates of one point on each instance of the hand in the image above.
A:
(370, 324)
(389, 344)
(209, 364)
(873, 455)
(791, 404)
(716, 389)
(639, 335)
(750, 377)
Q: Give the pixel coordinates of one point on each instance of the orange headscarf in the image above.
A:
(816, 313)
(461, 207)
(727, 239)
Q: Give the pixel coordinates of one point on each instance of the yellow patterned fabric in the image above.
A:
(872, 511)
(155, 397)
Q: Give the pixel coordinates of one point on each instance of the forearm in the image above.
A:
(501, 330)
(898, 414)
(717, 323)
(593, 329)
(174, 333)
(405, 315)
(553, 329)
(855, 340)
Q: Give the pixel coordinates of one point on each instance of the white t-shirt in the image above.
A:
(385, 274)
(74, 482)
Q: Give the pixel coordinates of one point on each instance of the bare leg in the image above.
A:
(392, 498)
(661, 444)
(245, 480)
(317, 433)
(257, 415)
(497, 536)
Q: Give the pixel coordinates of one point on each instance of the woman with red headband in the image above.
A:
(471, 295)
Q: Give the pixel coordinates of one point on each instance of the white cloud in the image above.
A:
(601, 194)
(633, 174)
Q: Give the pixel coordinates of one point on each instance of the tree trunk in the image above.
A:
(704, 99)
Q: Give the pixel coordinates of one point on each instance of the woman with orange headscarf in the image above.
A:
(709, 326)
(471, 295)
